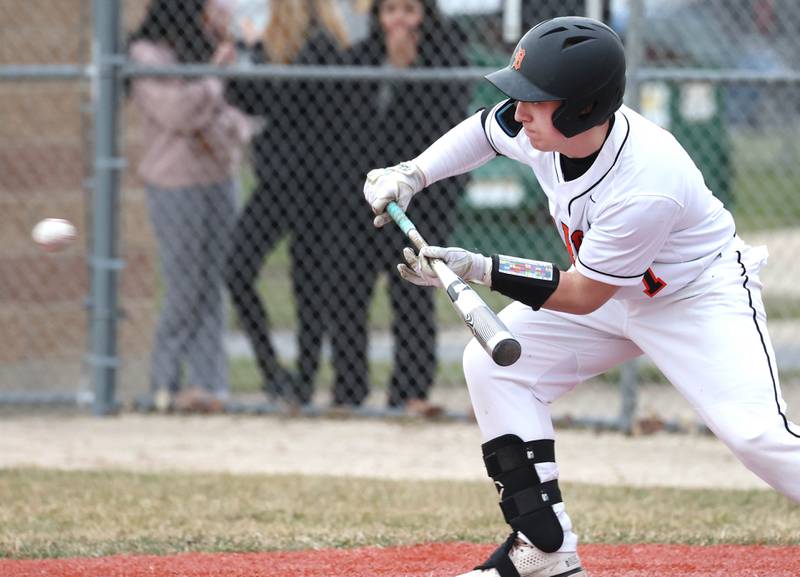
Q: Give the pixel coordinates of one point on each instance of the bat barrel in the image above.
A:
(506, 351)
(493, 336)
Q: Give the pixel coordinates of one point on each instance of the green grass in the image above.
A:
(56, 513)
(245, 377)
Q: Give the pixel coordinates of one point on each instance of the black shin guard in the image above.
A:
(526, 502)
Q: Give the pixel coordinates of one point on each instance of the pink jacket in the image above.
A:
(190, 135)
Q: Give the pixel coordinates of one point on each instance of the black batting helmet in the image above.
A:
(577, 60)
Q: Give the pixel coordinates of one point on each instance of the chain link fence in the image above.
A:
(239, 268)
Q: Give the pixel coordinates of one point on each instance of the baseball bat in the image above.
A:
(487, 328)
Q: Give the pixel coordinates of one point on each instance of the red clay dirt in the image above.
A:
(435, 560)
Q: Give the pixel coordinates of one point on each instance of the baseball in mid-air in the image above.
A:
(54, 234)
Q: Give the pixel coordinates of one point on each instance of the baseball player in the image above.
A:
(657, 269)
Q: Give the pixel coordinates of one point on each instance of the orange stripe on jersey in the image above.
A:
(567, 242)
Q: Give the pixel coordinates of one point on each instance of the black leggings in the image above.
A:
(269, 215)
(414, 326)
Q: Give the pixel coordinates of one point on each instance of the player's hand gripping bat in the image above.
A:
(489, 330)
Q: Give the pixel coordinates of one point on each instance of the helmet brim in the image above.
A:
(517, 87)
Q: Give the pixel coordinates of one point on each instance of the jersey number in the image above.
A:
(576, 238)
(652, 283)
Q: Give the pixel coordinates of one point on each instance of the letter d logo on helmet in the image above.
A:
(579, 61)
(518, 58)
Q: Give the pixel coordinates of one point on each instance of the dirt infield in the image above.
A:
(246, 444)
(350, 447)
(437, 560)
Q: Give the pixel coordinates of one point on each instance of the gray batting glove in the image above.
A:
(469, 266)
(396, 183)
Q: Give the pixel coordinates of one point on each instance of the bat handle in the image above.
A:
(405, 224)
(401, 219)
(487, 328)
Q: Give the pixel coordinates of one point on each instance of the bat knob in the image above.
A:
(506, 352)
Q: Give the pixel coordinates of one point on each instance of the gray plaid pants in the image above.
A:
(193, 228)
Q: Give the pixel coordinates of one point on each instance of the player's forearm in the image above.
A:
(461, 149)
(578, 295)
(540, 284)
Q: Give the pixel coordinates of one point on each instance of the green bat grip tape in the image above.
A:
(400, 217)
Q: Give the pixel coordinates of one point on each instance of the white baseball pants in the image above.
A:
(709, 339)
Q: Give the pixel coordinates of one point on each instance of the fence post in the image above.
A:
(629, 377)
(595, 9)
(104, 263)
(634, 53)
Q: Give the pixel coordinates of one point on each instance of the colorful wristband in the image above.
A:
(528, 281)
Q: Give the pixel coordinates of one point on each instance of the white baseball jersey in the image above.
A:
(641, 217)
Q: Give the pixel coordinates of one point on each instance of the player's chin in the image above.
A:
(541, 144)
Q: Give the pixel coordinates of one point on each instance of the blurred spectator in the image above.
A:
(289, 157)
(356, 15)
(535, 12)
(192, 141)
(390, 120)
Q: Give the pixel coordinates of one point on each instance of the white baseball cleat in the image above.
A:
(528, 561)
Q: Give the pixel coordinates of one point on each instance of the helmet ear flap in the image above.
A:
(574, 116)
(571, 117)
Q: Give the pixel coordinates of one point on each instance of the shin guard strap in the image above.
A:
(530, 500)
(531, 513)
(504, 459)
(500, 560)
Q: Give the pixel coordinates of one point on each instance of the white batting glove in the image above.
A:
(397, 183)
(469, 266)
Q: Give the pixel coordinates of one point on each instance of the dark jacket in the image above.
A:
(287, 153)
(397, 120)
